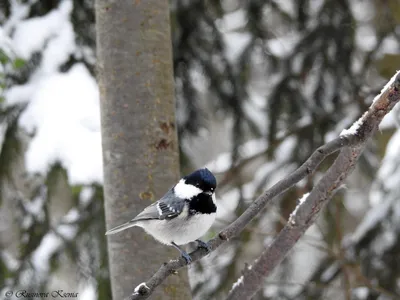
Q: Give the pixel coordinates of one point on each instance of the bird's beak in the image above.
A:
(209, 193)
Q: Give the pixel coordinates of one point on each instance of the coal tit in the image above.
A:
(182, 215)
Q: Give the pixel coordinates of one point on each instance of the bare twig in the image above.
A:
(351, 146)
(308, 211)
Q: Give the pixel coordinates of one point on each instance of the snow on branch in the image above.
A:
(356, 125)
(350, 143)
(293, 214)
(140, 289)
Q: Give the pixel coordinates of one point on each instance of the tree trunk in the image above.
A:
(140, 148)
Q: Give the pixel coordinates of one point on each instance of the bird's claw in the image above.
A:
(183, 253)
(186, 257)
(204, 245)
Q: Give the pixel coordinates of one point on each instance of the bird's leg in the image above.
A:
(183, 253)
(204, 245)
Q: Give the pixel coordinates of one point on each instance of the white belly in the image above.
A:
(178, 230)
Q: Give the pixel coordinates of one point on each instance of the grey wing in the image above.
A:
(168, 207)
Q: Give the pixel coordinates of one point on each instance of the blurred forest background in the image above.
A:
(259, 86)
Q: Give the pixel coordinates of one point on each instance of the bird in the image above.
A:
(183, 215)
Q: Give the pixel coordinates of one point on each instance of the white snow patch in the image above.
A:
(353, 129)
(361, 292)
(257, 98)
(370, 220)
(221, 164)
(327, 275)
(271, 290)
(32, 34)
(387, 86)
(287, 6)
(366, 38)
(390, 45)
(249, 189)
(67, 231)
(62, 108)
(6, 43)
(329, 136)
(388, 171)
(34, 206)
(3, 129)
(51, 243)
(89, 292)
(388, 122)
(72, 216)
(9, 260)
(363, 11)
(293, 214)
(64, 114)
(86, 195)
(235, 43)
(227, 203)
(18, 12)
(283, 46)
(253, 147)
(200, 82)
(52, 57)
(136, 290)
(234, 40)
(48, 246)
(234, 20)
(237, 283)
(18, 94)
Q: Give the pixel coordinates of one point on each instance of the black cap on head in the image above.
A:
(203, 179)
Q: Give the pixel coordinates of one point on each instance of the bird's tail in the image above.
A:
(121, 227)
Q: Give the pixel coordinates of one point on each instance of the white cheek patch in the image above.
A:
(186, 191)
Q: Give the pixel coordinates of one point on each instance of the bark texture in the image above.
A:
(140, 148)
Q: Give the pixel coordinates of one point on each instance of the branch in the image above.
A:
(372, 119)
(306, 212)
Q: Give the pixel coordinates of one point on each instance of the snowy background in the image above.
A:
(261, 85)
